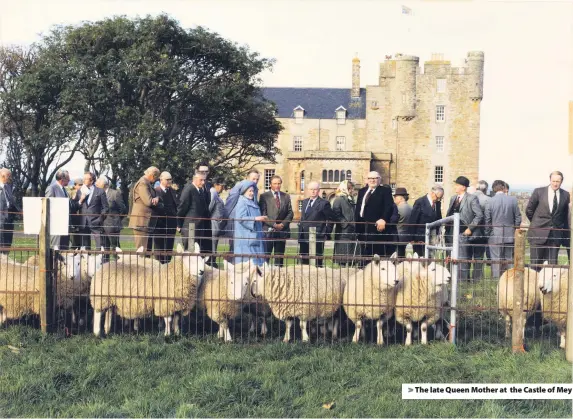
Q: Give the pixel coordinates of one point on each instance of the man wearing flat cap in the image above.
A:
(404, 209)
(471, 217)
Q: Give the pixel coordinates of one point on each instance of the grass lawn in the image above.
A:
(146, 376)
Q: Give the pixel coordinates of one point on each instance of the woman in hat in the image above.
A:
(345, 239)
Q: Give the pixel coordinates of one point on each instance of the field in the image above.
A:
(147, 376)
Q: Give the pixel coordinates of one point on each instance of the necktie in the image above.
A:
(554, 209)
(434, 206)
(309, 206)
(4, 197)
(277, 200)
(367, 197)
(459, 199)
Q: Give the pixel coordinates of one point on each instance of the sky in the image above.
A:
(528, 46)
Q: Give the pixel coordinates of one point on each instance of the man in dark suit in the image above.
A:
(193, 207)
(8, 210)
(426, 209)
(58, 190)
(75, 238)
(502, 216)
(471, 219)
(166, 226)
(548, 210)
(117, 210)
(316, 212)
(203, 169)
(374, 208)
(277, 206)
(93, 209)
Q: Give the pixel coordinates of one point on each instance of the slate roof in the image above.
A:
(318, 103)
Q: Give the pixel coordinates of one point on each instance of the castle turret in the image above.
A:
(355, 93)
(475, 73)
(404, 92)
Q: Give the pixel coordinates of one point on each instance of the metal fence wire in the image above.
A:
(350, 289)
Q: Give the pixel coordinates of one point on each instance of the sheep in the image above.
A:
(223, 293)
(311, 293)
(553, 283)
(135, 291)
(420, 296)
(369, 294)
(531, 297)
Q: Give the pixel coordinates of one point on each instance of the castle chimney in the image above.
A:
(355, 93)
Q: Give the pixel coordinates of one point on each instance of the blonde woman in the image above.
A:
(345, 245)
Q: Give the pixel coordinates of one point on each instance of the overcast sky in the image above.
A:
(528, 55)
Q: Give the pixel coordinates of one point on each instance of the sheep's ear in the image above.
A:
(140, 250)
(56, 247)
(376, 259)
(118, 250)
(197, 248)
(394, 255)
(546, 263)
(225, 265)
(432, 266)
(82, 249)
(415, 256)
(102, 249)
(179, 248)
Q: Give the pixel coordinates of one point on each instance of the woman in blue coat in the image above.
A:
(248, 225)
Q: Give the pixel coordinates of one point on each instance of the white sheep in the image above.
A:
(301, 291)
(369, 295)
(421, 295)
(136, 291)
(505, 295)
(553, 283)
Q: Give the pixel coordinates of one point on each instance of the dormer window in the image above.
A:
(341, 115)
(299, 114)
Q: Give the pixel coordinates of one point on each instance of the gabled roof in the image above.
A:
(318, 103)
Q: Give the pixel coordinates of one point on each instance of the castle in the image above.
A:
(415, 128)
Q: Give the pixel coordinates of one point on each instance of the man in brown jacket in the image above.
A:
(144, 199)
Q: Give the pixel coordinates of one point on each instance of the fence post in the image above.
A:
(518, 319)
(312, 245)
(45, 269)
(455, 274)
(569, 327)
(191, 238)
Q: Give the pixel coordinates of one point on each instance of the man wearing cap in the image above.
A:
(426, 209)
(166, 215)
(471, 217)
(404, 209)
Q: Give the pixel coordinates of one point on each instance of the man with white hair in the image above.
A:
(374, 208)
(143, 200)
(8, 210)
(166, 226)
(117, 210)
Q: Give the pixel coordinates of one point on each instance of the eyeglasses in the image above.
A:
(169, 179)
(373, 178)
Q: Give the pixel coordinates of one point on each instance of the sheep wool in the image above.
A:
(554, 285)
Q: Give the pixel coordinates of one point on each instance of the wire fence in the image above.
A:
(376, 287)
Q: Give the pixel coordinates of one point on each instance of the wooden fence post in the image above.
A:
(312, 245)
(569, 327)
(191, 238)
(45, 269)
(518, 317)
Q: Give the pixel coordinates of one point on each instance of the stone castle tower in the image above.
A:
(416, 126)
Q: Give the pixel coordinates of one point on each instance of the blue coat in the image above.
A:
(231, 203)
(248, 233)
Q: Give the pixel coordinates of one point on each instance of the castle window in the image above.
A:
(342, 175)
(441, 86)
(269, 173)
(297, 143)
(302, 181)
(340, 143)
(331, 176)
(324, 176)
(393, 186)
(349, 175)
(440, 113)
(439, 174)
(337, 176)
(374, 104)
(440, 144)
(299, 114)
(341, 115)
(300, 206)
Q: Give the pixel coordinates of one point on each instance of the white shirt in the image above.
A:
(2, 185)
(550, 195)
(310, 202)
(89, 199)
(370, 191)
(430, 199)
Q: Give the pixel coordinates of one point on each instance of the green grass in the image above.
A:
(146, 376)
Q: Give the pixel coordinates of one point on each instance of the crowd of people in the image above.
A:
(362, 221)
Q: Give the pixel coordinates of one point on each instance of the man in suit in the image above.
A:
(277, 206)
(479, 245)
(203, 169)
(502, 215)
(471, 217)
(404, 210)
(117, 210)
(426, 209)
(8, 210)
(75, 238)
(548, 210)
(93, 210)
(166, 226)
(143, 200)
(374, 208)
(316, 212)
(58, 190)
(193, 207)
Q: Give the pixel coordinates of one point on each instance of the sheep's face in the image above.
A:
(192, 261)
(388, 273)
(257, 284)
(438, 274)
(548, 279)
(238, 276)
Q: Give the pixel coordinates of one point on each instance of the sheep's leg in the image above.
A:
(562, 339)
(264, 329)
(176, 329)
(335, 329)
(74, 320)
(379, 335)
(303, 325)
(168, 321)
(424, 327)
(97, 323)
(357, 331)
(221, 332)
(408, 334)
(135, 325)
(363, 333)
(287, 332)
(107, 321)
(227, 331)
(253, 327)
(507, 325)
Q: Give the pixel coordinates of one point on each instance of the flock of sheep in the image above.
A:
(134, 287)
